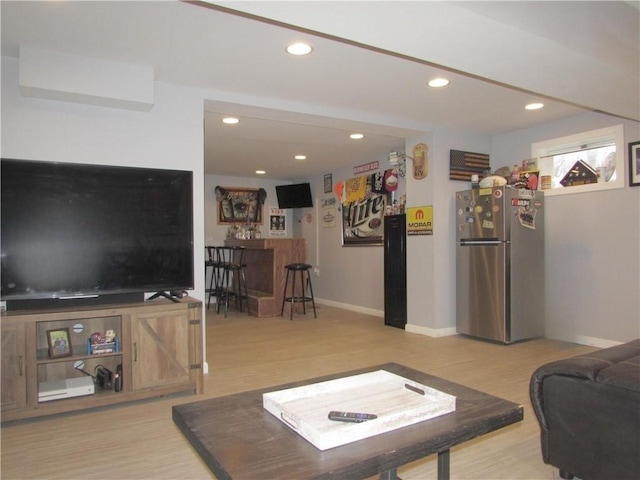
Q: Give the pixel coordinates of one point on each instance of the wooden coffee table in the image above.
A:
(237, 438)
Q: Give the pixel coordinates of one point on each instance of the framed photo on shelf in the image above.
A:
(634, 164)
(59, 343)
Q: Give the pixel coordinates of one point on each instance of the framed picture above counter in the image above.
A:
(240, 205)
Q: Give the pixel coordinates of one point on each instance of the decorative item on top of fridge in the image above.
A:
(525, 176)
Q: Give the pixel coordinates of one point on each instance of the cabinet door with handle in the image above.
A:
(160, 349)
(13, 389)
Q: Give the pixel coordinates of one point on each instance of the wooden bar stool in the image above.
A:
(301, 297)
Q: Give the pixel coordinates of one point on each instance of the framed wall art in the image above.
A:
(328, 183)
(464, 164)
(277, 222)
(634, 164)
(240, 205)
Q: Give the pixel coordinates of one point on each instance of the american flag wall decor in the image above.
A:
(464, 164)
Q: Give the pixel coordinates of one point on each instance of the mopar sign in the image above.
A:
(420, 220)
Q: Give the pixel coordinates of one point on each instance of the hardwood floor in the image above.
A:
(140, 441)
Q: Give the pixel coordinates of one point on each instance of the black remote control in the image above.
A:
(352, 417)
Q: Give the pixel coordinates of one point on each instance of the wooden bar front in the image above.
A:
(265, 259)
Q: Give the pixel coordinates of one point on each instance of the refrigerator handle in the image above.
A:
(486, 242)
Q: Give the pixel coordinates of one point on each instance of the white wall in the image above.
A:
(431, 259)
(592, 244)
(350, 277)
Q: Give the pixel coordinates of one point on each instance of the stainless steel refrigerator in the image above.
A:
(500, 263)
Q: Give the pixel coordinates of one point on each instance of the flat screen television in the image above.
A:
(297, 195)
(101, 233)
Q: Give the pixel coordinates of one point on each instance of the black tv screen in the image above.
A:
(297, 195)
(77, 231)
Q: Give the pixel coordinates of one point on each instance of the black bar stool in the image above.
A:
(302, 296)
(232, 282)
(211, 263)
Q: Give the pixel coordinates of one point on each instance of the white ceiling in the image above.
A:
(367, 72)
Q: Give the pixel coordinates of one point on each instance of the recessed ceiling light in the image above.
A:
(534, 106)
(356, 136)
(438, 82)
(230, 120)
(299, 48)
(260, 172)
(300, 157)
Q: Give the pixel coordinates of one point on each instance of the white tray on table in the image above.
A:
(397, 401)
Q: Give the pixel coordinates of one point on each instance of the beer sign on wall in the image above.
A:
(363, 208)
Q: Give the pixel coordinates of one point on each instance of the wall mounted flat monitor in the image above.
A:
(72, 231)
(296, 195)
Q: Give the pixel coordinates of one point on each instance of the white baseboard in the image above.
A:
(596, 342)
(352, 308)
(431, 332)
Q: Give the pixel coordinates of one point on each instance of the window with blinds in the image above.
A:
(588, 161)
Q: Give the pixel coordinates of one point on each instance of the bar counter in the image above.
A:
(265, 259)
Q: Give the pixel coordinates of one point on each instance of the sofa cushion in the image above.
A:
(625, 375)
(619, 353)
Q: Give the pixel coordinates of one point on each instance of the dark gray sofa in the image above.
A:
(588, 408)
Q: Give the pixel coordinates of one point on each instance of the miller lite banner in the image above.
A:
(420, 220)
(363, 208)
